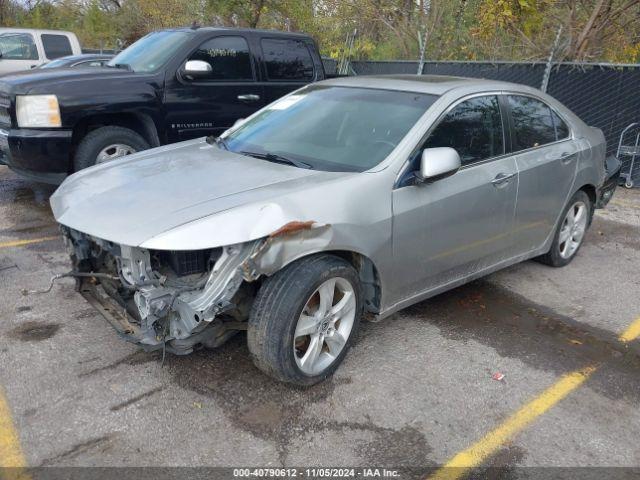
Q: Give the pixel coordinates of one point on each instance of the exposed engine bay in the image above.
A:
(168, 299)
(178, 300)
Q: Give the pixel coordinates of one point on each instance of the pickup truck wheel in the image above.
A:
(305, 318)
(105, 144)
(570, 233)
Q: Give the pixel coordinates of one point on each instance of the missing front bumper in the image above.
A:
(212, 335)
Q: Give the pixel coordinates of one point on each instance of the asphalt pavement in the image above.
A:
(421, 389)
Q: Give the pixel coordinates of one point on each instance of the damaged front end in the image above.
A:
(177, 300)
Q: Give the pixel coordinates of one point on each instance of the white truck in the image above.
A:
(26, 48)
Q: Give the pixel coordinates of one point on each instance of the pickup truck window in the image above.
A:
(56, 46)
(18, 46)
(150, 52)
(228, 56)
(287, 59)
(331, 128)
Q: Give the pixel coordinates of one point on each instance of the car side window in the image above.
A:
(18, 46)
(473, 128)
(287, 59)
(228, 56)
(56, 46)
(532, 122)
(562, 130)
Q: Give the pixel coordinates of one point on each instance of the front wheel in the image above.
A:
(304, 319)
(570, 232)
(105, 144)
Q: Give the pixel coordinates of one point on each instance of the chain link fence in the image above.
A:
(606, 96)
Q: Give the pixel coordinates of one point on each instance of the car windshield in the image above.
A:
(331, 128)
(150, 52)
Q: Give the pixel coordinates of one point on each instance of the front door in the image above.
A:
(212, 103)
(547, 159)
(450, 228)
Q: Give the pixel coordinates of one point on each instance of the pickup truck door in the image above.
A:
(286, 65)
(210, 104)
(19, 52)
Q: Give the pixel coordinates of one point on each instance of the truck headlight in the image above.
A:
(35, 111)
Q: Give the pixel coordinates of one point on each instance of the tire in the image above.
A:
(562, 252)
(98, 140)
(276, 317)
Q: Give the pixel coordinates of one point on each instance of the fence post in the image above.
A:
(547, 70)
(422, 40)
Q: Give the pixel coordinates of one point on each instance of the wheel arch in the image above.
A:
(141, 123)
(591, 192)
(368, 273)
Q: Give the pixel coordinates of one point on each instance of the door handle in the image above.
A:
(249, 97)
(502, 178)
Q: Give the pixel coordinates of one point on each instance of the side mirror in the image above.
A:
(196, 68)
(437, 163)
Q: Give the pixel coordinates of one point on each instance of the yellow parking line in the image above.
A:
(19, 243)
(10, 451)
(473, 456)
(631, 333)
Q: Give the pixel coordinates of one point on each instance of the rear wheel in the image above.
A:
(105, 144)
(570, 233)
(304, 319)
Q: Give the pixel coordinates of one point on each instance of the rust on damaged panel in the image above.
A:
(292, 227)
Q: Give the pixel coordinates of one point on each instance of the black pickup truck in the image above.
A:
(169, 86)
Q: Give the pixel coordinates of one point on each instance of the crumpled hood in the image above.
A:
(136, 198)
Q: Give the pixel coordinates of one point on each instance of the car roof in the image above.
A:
(432, 84)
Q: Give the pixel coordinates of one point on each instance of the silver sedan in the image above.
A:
(346, 199)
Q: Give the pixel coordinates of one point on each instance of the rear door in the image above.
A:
(547, 159)
(19, 52)
(210, 105)
(287, 64)
(445, 230)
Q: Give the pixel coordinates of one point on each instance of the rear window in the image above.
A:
(562, 131)
(56, 46)
(532, 122)
(287, 59)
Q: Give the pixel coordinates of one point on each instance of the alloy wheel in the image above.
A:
(324, 325)
(111, 152)
(573, 229)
